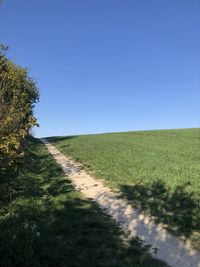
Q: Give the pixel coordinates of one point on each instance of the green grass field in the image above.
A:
(48, 224)
(158, 171)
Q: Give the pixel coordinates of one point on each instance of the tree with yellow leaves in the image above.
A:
(18, 93)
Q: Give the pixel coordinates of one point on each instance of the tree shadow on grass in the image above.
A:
(49, 224)
(55, 139)
(66, 233)
(178, 209)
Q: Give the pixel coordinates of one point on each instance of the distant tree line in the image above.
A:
(18, 94)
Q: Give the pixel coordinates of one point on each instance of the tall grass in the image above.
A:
(158, 171)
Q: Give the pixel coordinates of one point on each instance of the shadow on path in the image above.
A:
(49, 224)
(178, 209)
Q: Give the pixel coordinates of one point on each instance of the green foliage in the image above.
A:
(48, 224)
(18, 93)
(157, 171)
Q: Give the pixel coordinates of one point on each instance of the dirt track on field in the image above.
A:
(164, 246)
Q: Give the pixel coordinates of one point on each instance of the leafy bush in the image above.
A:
(18, 93)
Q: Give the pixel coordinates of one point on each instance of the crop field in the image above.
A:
(47, 223)
(157, 171)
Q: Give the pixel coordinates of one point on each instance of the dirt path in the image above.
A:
(164, 245)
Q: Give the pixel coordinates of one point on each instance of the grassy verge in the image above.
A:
(158, 171)
(49, 224)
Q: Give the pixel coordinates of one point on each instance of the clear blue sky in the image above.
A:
(108, 65)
